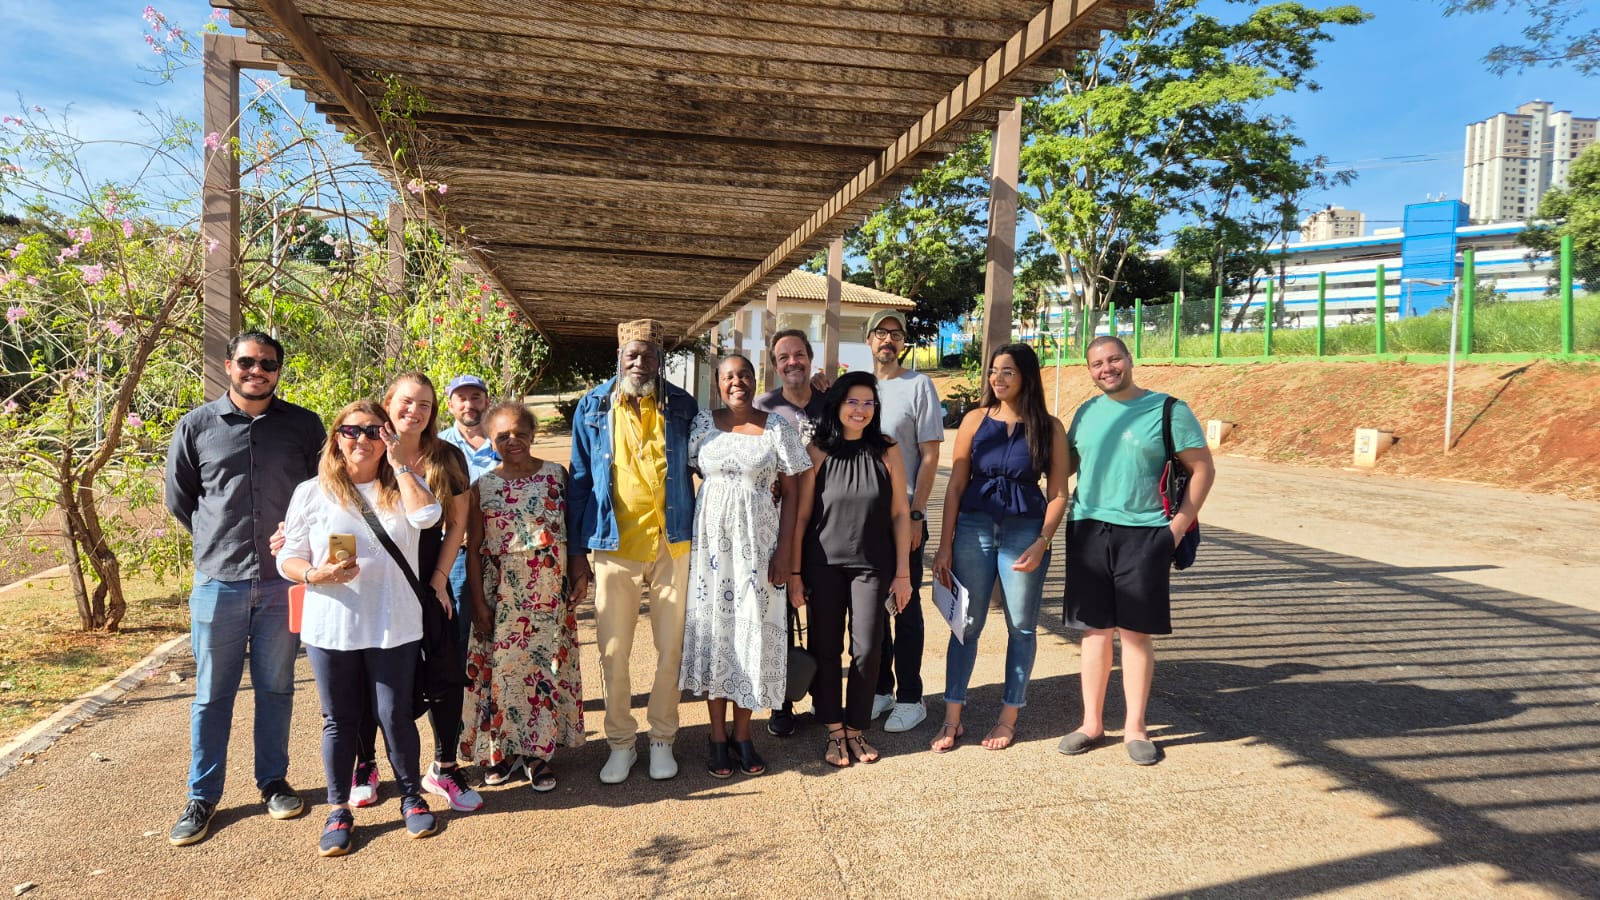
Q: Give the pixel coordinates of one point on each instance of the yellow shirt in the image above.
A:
(639, 485)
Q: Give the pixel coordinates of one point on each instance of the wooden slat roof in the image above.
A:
(812, 287)
(612, 159)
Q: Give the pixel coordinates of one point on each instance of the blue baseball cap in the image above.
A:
(466, 381)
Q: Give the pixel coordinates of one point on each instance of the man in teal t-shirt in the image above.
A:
(1120, 542)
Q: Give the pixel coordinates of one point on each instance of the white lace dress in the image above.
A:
(733, 643)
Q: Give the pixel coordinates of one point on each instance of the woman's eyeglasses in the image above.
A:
(853, 403)
(372, 432)
(246, 363)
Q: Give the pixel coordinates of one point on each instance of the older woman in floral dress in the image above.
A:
(525, 697)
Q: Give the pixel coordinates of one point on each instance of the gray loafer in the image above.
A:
(1143, 753)
(1078, 742)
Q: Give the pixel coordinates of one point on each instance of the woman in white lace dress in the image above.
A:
(734, 647)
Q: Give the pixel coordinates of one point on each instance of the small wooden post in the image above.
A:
(830, 327)
(999, 274)
(769, 327)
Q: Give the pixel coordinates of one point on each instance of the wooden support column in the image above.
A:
(999, 276)
(738, 332)
(830, 316)
(769, 327)
(395, 281)
(223, 56)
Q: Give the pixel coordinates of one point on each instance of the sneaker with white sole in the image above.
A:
(336, 833)
(662, 763)
(882, 703)
(905, 716)
(364, 787)
(618, 765)
(451, 784)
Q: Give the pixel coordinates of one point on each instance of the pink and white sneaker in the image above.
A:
(452, 785)
(364, 787)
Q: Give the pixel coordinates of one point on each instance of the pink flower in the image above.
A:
(443, 188)
(134, 421)
(93, 274)
(69, 252)
(415, 185)
(127, 228)
(213, 141)
(33, 280)
(219, 15)
(11, 169)
(11, 120)
(85, 235)
(81, 374)
(212, 245)
(18, 250)
(110, 209)
(14, 313)
(114, 327)
(10, 407)
(38, 109)
(150, 14)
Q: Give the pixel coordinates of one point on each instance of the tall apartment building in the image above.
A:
(1512, 159)
(1333, 223)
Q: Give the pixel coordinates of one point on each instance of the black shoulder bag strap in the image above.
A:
(382, 536)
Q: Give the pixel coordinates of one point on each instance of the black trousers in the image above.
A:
(838, 594)
(351, 682)
(902, 642)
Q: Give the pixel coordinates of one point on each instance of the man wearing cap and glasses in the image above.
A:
(231, 470)
(467, 398)
(911, 415)
(631, 502)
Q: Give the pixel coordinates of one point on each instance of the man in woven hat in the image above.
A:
(632, 504)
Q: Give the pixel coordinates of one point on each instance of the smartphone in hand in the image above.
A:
(341, 547)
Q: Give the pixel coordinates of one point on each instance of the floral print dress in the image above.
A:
(734, 645)
(524, 696)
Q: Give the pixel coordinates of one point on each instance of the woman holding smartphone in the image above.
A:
(853, 527)
(361, 622)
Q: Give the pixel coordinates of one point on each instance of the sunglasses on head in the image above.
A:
(372, 432)
(250, 362)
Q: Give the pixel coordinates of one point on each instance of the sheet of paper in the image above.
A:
(952, 604)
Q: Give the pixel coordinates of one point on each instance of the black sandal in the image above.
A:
(719, 764)
(836, 753)
(541, 776)
(750, 762)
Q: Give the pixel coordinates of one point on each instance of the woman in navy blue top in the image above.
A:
(998, 523)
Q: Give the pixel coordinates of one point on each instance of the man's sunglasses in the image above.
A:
(250, 362)
(373, 432)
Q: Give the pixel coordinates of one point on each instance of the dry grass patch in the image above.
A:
(46, 662)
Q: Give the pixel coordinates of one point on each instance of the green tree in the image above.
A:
(1572, 210)
(1163, 120)
(928, 244)
(1558, 32)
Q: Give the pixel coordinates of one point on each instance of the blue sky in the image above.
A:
(1397, 92)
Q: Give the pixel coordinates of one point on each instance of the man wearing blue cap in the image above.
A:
(467, 398)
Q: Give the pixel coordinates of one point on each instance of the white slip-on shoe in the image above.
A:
(882, 703)
(619, 765)
(905, 716)
(662, 763)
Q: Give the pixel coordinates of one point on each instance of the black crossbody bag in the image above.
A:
(437, 670)
(1174, 485)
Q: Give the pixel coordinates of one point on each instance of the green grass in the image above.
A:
(1507, 327)
(46, 662)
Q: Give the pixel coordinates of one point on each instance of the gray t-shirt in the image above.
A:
(911, 415)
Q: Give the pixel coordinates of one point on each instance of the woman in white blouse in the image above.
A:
(361, 622)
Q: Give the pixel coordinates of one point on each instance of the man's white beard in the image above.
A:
(631, 388)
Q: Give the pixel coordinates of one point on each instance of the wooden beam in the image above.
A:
(223, 56)
(769, 327)
(999, 276)
(1020, 51)
(830, 313)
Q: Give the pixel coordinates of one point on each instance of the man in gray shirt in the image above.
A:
(233, 465)
(911, 416)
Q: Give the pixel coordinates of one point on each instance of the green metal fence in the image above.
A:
(1486, 328)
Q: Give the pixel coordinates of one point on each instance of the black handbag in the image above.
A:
(802, 666)
(437, 667)
(1174, 484)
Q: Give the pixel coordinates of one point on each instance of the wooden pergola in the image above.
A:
(675, 158)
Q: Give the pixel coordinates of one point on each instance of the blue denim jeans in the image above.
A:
(230, 621)
(984, 550)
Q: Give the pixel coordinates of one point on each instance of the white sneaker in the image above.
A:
(662, 763)
(619, 765)
(905, 716)
(364, 788)
(881, 704)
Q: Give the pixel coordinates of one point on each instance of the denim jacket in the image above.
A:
(592, 513)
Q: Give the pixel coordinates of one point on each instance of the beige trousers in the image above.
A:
(619, 586)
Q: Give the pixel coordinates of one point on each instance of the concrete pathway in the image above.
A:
(1334, 725)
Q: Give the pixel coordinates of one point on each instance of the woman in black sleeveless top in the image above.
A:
(854, 531)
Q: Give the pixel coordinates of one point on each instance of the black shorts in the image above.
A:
(1119, 576)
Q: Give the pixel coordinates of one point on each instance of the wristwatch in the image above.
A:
(403, 470)
(917, 516)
